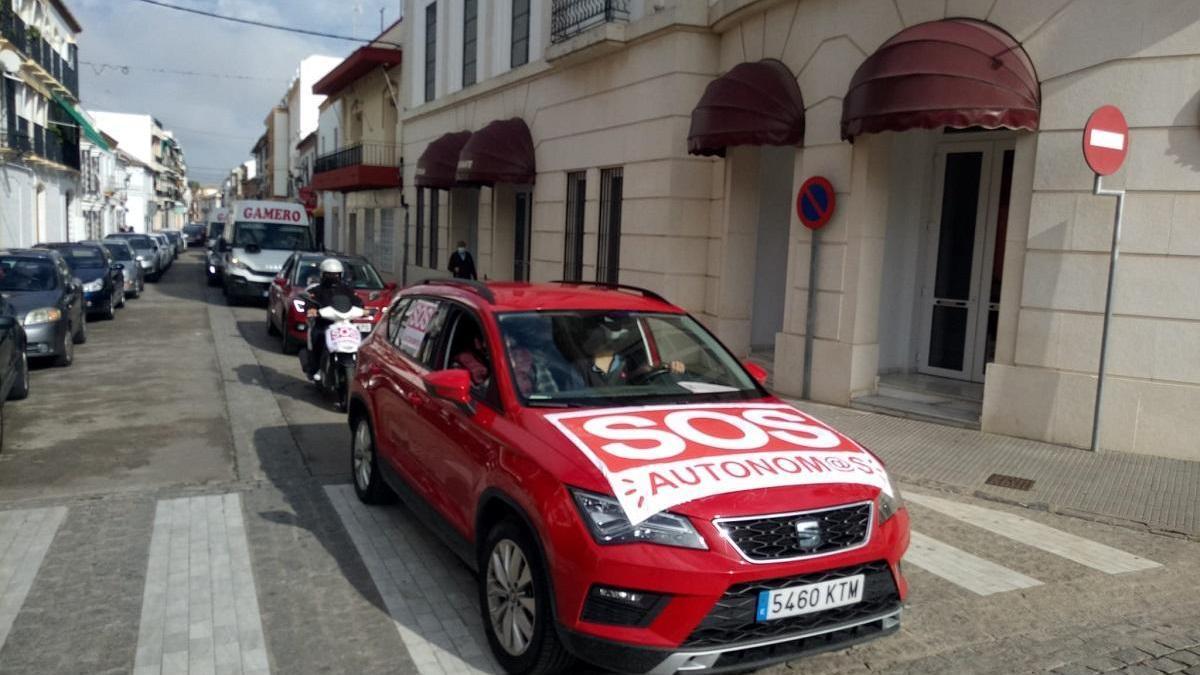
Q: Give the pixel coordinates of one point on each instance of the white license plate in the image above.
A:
(810, 598)
(363, 327)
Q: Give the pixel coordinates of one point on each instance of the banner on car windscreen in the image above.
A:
(656, 457)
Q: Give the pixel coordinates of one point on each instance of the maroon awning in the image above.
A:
(755, 103)
(955, 73)
(362, 61)
(439, 162)
(501, 152)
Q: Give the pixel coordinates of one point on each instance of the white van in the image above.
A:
(258, 238)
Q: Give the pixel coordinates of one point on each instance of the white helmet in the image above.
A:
(331, 266)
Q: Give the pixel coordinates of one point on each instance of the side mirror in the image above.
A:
(756, 371)
(452, 385)
(281, 282)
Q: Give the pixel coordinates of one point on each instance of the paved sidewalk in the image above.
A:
(1162, 495)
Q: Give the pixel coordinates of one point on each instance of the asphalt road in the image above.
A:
(177, 501)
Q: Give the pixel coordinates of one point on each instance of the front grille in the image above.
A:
(774, 538)
(732, 618)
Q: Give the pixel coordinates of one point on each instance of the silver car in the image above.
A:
(145, 250)
(166, 250)
(134, 273)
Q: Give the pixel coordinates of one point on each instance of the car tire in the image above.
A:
(110, 312)
(66, 355)
(539, 651)
(364, 465)
(20, 387)
(122, 302)
(80, 336)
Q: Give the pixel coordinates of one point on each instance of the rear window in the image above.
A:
(78, 257)
(119, 252)
(138, 240)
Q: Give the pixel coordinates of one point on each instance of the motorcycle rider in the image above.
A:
(319, 295)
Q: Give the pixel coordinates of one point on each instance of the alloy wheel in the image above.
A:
(510, 598)
(363, 455)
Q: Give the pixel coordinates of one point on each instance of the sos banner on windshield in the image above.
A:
(656, 457)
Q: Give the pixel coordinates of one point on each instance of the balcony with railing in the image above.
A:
(58, 72)
(569, 18)
(39, 144)
(365, 166)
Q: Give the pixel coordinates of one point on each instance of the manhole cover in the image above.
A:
(1012, 482)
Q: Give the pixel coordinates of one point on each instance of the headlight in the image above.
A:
(236, 264)
(93, 286)
(609, 525)
(43, 315)
(889, 505)
(298, 305)
(139, 258)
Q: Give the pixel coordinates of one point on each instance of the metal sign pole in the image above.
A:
(810, 315)
(1108, 303)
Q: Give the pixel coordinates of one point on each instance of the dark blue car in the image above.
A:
(102, 278)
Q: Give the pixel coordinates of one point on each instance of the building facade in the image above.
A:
(962, 275)
(40, 123)
(143, 138)
(102, 192)
(358, 172)
(138, 179)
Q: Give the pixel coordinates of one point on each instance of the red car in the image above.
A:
(285, 310)
(627, 491)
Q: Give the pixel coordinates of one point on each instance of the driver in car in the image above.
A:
(331, 286)
(608, 348)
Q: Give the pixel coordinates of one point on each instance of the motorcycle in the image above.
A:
(342, 340)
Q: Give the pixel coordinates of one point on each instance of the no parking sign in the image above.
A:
(815, 202)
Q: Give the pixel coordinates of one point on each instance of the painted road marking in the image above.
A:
(1107, 139)
(973, 573)
(25, 536)
(200, 606)
(1083, 551)
(438, 623)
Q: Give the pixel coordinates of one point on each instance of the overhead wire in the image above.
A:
(100, 68)
(265, 24)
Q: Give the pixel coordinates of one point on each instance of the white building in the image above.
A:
(329, 135)
(144, 138)
(139, 191)
(101, 191)
(40, 124)
(303, 106)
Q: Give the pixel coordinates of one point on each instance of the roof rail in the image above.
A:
(645, 292)
(477, 287)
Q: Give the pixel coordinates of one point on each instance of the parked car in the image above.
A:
(193, 234)
(47, 299)
(178, 244)
(166, 250)
(103, 280)
(285, 308)
(214, 266)
(628, 493)
(14, 362)
(132, 273)
(145, 249)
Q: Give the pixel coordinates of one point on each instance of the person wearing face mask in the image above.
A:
(462, 265)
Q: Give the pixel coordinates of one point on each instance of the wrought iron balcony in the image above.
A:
(569, 18)
(366, 166)
(28, 41)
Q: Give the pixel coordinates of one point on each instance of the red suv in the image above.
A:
(628, 493)
(285, 307)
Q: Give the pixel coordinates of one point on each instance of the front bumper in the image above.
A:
(247, 285)
(147, 265)
(740, 657)
(45, 339)
(96, 301)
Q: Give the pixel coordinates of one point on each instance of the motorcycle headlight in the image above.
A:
(43, 315)
(93, 286)
(607, 522)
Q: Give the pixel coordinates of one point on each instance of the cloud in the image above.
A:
(216, 119)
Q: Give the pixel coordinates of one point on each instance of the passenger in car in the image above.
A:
(473, 358)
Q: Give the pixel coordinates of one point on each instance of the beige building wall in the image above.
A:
(621, 95)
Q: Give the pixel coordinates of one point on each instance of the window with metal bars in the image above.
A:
(430, 50)
(433, 226)
(520, 33)
(419, 235)
(573, 247)
(608, 251)
(470, 40)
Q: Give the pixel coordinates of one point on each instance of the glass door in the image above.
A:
(961, 296)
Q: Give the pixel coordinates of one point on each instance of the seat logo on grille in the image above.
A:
(808, 534)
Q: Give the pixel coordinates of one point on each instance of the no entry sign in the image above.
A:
(1105, 140)
(815, 202)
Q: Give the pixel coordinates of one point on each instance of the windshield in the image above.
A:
(82, 257)
(215, 230)
(27, 274)
(139, 241)
(278, 236)
(358, 273)
(618, 358)
(119, 252)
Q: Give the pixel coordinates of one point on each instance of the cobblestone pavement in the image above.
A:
(245, 551)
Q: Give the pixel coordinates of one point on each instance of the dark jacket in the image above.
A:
(462, 266)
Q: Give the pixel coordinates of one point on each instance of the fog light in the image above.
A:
(622, 607)
(301, 327)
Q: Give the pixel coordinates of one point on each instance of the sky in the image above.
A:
(216, 119)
